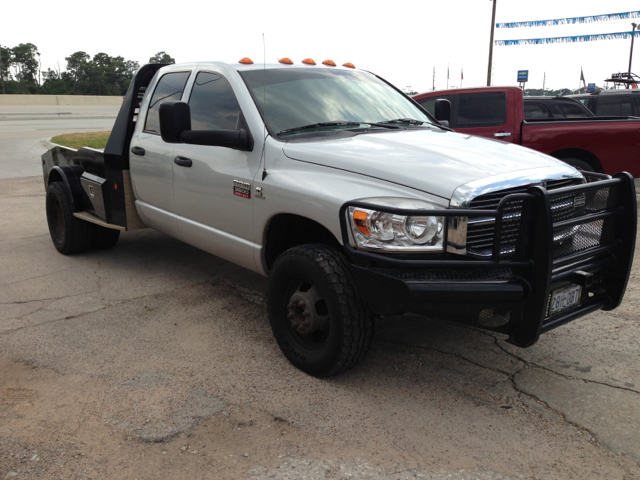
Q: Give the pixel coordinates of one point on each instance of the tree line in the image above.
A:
(102, 74)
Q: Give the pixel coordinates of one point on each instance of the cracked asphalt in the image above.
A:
(156, 360)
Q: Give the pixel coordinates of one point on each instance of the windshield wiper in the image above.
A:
(317, 125)
(411, 121)
(338, 124)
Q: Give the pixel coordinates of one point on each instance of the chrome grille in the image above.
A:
(481, 231)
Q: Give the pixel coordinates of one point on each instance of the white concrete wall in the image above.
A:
(59, 100)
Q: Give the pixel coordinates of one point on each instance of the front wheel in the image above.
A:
(320, 324)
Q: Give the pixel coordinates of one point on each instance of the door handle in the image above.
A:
(183, 161)
(502, 134)
(138, 151)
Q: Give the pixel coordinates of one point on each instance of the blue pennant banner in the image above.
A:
(567, 21)
(579, 38)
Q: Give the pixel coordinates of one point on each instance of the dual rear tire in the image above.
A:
(70, 234)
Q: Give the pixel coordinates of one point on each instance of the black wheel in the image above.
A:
(103, 237)
(316, 318)
(69, 234)
(578, 164)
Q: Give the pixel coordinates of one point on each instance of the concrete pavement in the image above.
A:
(25, 130)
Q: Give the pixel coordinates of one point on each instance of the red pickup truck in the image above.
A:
(601, 144)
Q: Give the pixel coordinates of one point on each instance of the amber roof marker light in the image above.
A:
(245, 61)
(309, 61)
(285, 60)
(330, 63)
(349, 65)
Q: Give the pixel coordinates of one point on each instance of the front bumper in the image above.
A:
(511, 292)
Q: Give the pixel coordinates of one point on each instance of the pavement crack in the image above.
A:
(563, 375)
(34, 236)
(57, 272)
(69, 317)
(550, 370)
(50, 299)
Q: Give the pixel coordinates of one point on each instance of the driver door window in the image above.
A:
(213, 104)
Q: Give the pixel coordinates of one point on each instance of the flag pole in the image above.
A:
(493, 26)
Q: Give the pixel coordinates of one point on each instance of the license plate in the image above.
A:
(564, 298)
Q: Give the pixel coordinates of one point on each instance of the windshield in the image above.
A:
(300, 97)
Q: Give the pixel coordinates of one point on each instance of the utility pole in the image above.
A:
(493, 26)
(434, 79)
(544, 82)
(633, 29)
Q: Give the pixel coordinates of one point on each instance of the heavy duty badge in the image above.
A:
(242, 189)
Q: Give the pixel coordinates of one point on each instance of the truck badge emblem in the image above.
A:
(579, 201)
(242, 189)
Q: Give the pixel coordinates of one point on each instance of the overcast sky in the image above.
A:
(400, 40)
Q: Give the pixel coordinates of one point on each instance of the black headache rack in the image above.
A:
(540, 248)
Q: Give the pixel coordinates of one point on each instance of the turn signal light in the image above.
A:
(245, 60)
(308, 61)
(360, 220)
(349, 65)
(331, 63)
(286, 60)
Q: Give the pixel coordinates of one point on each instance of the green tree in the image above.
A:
(56, 83)
(26, 64)
(5, 63)
(76, 62)
(162, 57)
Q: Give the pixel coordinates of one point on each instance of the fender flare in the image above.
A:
(70, 177)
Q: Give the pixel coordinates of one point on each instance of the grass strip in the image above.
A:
(79, 140)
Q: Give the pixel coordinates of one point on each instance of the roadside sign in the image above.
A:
(591, 86)
(523, 76)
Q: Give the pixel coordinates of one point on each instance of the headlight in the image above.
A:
(379, 230)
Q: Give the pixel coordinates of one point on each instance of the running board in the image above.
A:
(98, 221)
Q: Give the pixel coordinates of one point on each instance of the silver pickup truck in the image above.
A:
(352, 199)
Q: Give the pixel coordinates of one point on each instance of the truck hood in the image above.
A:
(433, 161)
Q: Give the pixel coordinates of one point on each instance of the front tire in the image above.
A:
(69, 234)
(320, 324)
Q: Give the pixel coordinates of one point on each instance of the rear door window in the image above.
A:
(169, 87)
(482, 109)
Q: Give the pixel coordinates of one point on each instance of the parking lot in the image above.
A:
(156, 360)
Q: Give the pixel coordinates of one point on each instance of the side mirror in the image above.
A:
(236, 139)
(175, 119)
(175, 127)
(442, 111)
